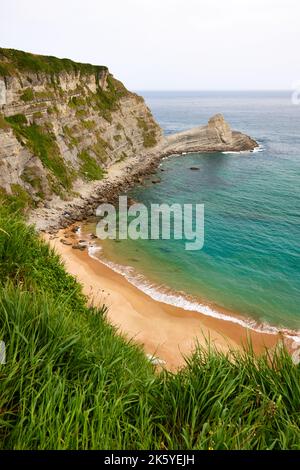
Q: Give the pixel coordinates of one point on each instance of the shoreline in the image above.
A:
(216, 137)
(166, 332)
(165, 294)
(121, 176)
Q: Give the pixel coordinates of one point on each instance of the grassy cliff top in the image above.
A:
(13, 61)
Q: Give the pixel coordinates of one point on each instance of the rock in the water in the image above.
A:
(216, 136)
(219, 125)
(194, 168)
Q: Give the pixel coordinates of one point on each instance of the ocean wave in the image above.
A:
(232, 152)
(163, 294)
(260, 148)
(257, 149)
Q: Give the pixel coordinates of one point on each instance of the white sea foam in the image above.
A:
(162, 294)
(233, 152)
(295, 340)
(260, 148)
(93, 249)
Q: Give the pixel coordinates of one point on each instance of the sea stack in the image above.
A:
(216, 136)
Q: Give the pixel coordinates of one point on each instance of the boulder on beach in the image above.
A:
(65, 242)
(79, 247)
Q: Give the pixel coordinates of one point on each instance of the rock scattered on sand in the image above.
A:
(79, 247)
(65, 242)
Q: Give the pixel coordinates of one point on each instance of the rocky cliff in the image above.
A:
(215, 136)
(62, 123)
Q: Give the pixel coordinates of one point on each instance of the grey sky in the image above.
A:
(166, 44)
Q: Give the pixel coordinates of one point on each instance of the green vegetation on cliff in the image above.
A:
(70, 382)
(18, 200)
(27, 95)
(89, 168)
(13, 61)
(77, 119)
(105, 101)
(42, 143)
(149, 134)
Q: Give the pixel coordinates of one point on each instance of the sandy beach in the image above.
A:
(164, 331)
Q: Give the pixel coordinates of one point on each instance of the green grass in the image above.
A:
(149, 134)
(69, 133)
(43, 144)
(76, 101)
(47, 95)
(89, 167)
(89, 125)
(27, 95)
(18, 200)
(70, 382)
(106, 101)
(13, 61)
(32, 177)
(37, 115)
(100, 148)
(81, 114)
(17, 120)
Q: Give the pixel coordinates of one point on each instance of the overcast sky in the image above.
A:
(166, 44)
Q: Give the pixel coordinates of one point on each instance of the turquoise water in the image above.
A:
(250, 263)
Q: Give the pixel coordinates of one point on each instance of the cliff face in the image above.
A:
(62, 123)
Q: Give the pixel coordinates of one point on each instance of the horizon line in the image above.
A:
(214, 89)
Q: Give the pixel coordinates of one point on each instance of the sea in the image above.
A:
(248, 270)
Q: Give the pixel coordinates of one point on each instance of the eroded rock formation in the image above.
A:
(63, 124)
(216, 136)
